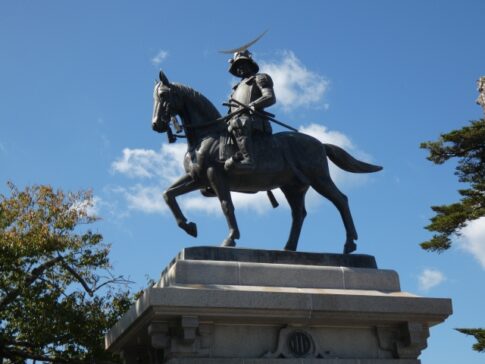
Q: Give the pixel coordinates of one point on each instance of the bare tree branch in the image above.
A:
(117, 280)
(78, 277)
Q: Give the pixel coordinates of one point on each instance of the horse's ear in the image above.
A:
(163, 78)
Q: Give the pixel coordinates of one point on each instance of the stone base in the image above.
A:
(226, 305)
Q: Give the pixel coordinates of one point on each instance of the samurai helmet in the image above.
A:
(242, 54)
(240, 57)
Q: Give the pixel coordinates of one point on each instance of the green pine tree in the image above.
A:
(468, 145)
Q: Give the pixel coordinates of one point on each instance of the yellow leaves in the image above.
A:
(56, 289)
(39, 218)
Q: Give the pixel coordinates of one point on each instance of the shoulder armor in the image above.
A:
(249, 80)
(263, 80)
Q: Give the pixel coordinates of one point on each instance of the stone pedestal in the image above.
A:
(238, 306)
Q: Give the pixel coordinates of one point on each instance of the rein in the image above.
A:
(218, 120)
(172, 138)
(208, 123)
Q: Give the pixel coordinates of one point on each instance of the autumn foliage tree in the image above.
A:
(57, 293)
(468, 146)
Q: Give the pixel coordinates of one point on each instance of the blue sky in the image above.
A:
(76, 82)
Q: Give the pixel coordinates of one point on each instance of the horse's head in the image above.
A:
(162, 104)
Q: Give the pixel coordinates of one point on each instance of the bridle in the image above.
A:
(163, 123)
(171, 118)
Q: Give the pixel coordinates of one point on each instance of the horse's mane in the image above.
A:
(198, 99)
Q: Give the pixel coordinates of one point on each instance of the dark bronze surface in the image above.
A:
(242, 156)
(275, 257)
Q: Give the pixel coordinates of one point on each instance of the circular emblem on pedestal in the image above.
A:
(299, 343)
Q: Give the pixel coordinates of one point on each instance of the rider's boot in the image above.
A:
(245, 145)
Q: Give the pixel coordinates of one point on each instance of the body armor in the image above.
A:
(254, 90)
(257, 92)
(243, 92)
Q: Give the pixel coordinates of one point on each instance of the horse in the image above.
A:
(291, 161)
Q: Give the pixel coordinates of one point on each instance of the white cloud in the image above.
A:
(158, 169)
(136, 162)
(200, 203)
(295, 86)
(160, 57)
(472, 239)
(2, 147)
(148, 199)
(430, 278)
(148, 163)
(321, 133)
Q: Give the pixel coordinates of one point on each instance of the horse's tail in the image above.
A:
(348, 163)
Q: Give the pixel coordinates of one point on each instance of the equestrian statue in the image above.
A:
(238, 151)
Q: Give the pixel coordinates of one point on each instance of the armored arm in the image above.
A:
(267, 98)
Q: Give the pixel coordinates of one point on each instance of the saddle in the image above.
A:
(227, 145)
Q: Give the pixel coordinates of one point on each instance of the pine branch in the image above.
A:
(479, 335)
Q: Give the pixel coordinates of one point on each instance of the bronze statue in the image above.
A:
(290, 161)
(481, 89)
(253, 93)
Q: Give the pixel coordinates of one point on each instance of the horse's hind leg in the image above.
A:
(221, 188)
(296, 199)
(183, 185)
(325, 186)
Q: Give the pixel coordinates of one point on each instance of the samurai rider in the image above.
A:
(251, 95)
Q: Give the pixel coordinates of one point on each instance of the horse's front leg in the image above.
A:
(219, 183)
(183, 185)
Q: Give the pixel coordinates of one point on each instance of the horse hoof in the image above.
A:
(229, 243)
(349, 247)
(290, 248)
(191, 229)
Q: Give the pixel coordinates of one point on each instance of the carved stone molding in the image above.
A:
(158, 332)
(405, 341)
(295, 342)
(414, 338)
(185, 336)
